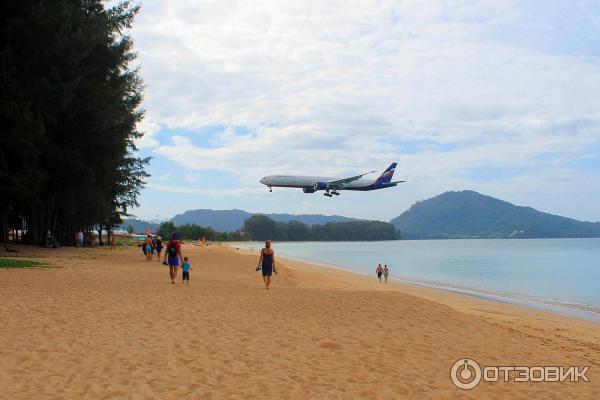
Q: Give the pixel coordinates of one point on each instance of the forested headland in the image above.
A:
(261, 227)
(69, 111)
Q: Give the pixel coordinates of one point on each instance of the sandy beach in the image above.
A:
(106, 324)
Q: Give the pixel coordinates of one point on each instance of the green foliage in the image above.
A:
(165, 230)
(260, 227)
(195, 232)
(69, 107)
(468, 214)
(12, 263)
(130, 229)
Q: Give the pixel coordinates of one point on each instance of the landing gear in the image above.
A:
(330, 194)
(270, 189)
(335, 192)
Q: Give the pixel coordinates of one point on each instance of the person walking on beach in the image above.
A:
(267, 263)
(386, 272)
(148, 248)
(379, 271)
(173, 253)
(159, 246)
(80, 238)
(185, 270)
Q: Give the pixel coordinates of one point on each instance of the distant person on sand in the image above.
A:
(267, 263)
(173, 253)
(379, 271)
(185, 270)
(80, 237)
(148, 248)
(159, 246)
(386, 272)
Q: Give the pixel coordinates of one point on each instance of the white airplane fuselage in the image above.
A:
(308, 182)
(331, 186)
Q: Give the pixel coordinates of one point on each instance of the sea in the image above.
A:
(557, 275)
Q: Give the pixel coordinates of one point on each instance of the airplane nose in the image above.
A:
(262, 180)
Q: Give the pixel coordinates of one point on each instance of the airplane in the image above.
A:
(331, 186)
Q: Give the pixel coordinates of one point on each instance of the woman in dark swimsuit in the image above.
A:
(267, 263)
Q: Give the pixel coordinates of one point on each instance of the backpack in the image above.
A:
(172, 251)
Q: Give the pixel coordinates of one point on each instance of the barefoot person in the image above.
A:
(386, 272)
(159, 246)
(173, 254)
(379, 271)
(185, 270)
(267, 263)
(148, 250)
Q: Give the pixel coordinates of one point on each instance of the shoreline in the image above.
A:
(108, 324)
(569, 310)
(456, 299)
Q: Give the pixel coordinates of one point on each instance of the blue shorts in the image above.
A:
(149, 248)
(173, 261)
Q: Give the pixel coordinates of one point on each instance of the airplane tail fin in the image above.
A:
(387, 175)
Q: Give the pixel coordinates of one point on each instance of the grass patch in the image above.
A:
(12, 263)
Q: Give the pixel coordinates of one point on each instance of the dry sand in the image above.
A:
(109, 325)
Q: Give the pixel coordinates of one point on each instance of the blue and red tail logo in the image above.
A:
(387, 175)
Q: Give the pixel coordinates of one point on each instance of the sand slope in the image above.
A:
(109, 325)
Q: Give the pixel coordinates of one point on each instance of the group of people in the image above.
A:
(151, 246)
(382, 271)
(172, 258)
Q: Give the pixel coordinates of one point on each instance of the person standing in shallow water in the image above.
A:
(386, 272)
(379, 271)
(267, 263)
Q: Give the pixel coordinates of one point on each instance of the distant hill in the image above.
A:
(139, 226)
(468, 214)
(232, 220)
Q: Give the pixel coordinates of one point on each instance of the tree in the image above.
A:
(130, 230)
(69, 108)
(166, 230)
(259, 227)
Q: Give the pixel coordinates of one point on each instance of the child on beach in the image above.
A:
(386, 272)
(186, 270)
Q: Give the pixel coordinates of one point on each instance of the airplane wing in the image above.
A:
(340, 183)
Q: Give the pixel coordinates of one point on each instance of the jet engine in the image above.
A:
(321, 186)
(308, 190)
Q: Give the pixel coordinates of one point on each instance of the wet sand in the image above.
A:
(109, 325)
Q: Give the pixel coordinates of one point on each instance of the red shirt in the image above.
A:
(177, 248)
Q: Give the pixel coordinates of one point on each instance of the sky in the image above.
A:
(497, 97)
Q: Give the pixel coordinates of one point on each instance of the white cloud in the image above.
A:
(150, 128)
(209, 192)
(341, 87)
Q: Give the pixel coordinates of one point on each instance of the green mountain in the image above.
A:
(232, 220)
(468, 214)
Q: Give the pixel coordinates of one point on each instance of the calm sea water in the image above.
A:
(560, 275)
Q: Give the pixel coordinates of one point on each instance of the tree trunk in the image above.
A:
(33, 227)
(4, 218)
(100, 235)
